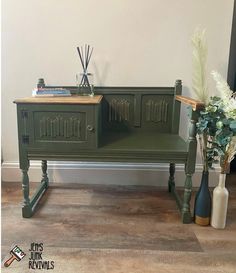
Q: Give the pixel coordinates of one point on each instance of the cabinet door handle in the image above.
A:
(90, 128)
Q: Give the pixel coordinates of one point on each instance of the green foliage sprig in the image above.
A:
(227, 103)
(216, 127)
(216, 131)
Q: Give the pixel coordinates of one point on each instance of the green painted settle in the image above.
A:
(129, 124)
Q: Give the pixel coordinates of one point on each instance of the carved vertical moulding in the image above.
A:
(156, 111)
(54, 127)
(119, 110)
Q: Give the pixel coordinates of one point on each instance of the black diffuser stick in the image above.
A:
(81, 58)
(83, 79)
(85, 56)
(82, 54)
(90, 55)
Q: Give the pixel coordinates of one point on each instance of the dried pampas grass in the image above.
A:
(199, 82)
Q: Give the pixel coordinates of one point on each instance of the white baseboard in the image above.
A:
(106, 173)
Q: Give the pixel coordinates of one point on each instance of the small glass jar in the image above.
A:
(84, 82)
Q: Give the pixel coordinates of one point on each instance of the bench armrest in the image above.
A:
(196, 104)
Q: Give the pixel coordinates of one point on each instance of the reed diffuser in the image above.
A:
(84, 80)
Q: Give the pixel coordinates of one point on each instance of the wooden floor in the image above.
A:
(115, 229)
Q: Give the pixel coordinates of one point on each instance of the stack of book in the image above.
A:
(51, 92)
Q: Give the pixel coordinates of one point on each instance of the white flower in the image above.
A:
(231, 109)
(231, 149)
(222, 86)
(228, 100)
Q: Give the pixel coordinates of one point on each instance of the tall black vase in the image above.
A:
(202, 207)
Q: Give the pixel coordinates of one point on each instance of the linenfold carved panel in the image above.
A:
(58, 126)
(156, 111)
(119, 110)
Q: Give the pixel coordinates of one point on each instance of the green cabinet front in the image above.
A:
(57, 127)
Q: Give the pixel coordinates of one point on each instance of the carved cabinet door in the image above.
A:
(58, 127)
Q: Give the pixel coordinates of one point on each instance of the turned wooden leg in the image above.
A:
(190, 168)
(171, 182)
(26, 210)
(186, 213)
(44, 172)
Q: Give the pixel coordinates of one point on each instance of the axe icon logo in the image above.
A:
(16, 254)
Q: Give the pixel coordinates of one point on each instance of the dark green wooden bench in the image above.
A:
(118, 124)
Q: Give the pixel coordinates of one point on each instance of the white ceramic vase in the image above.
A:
(219, 204)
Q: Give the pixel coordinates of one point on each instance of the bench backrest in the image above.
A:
(139, 108)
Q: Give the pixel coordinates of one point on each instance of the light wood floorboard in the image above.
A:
(97, 228)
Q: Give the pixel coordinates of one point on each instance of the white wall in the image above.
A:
(136, 43)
